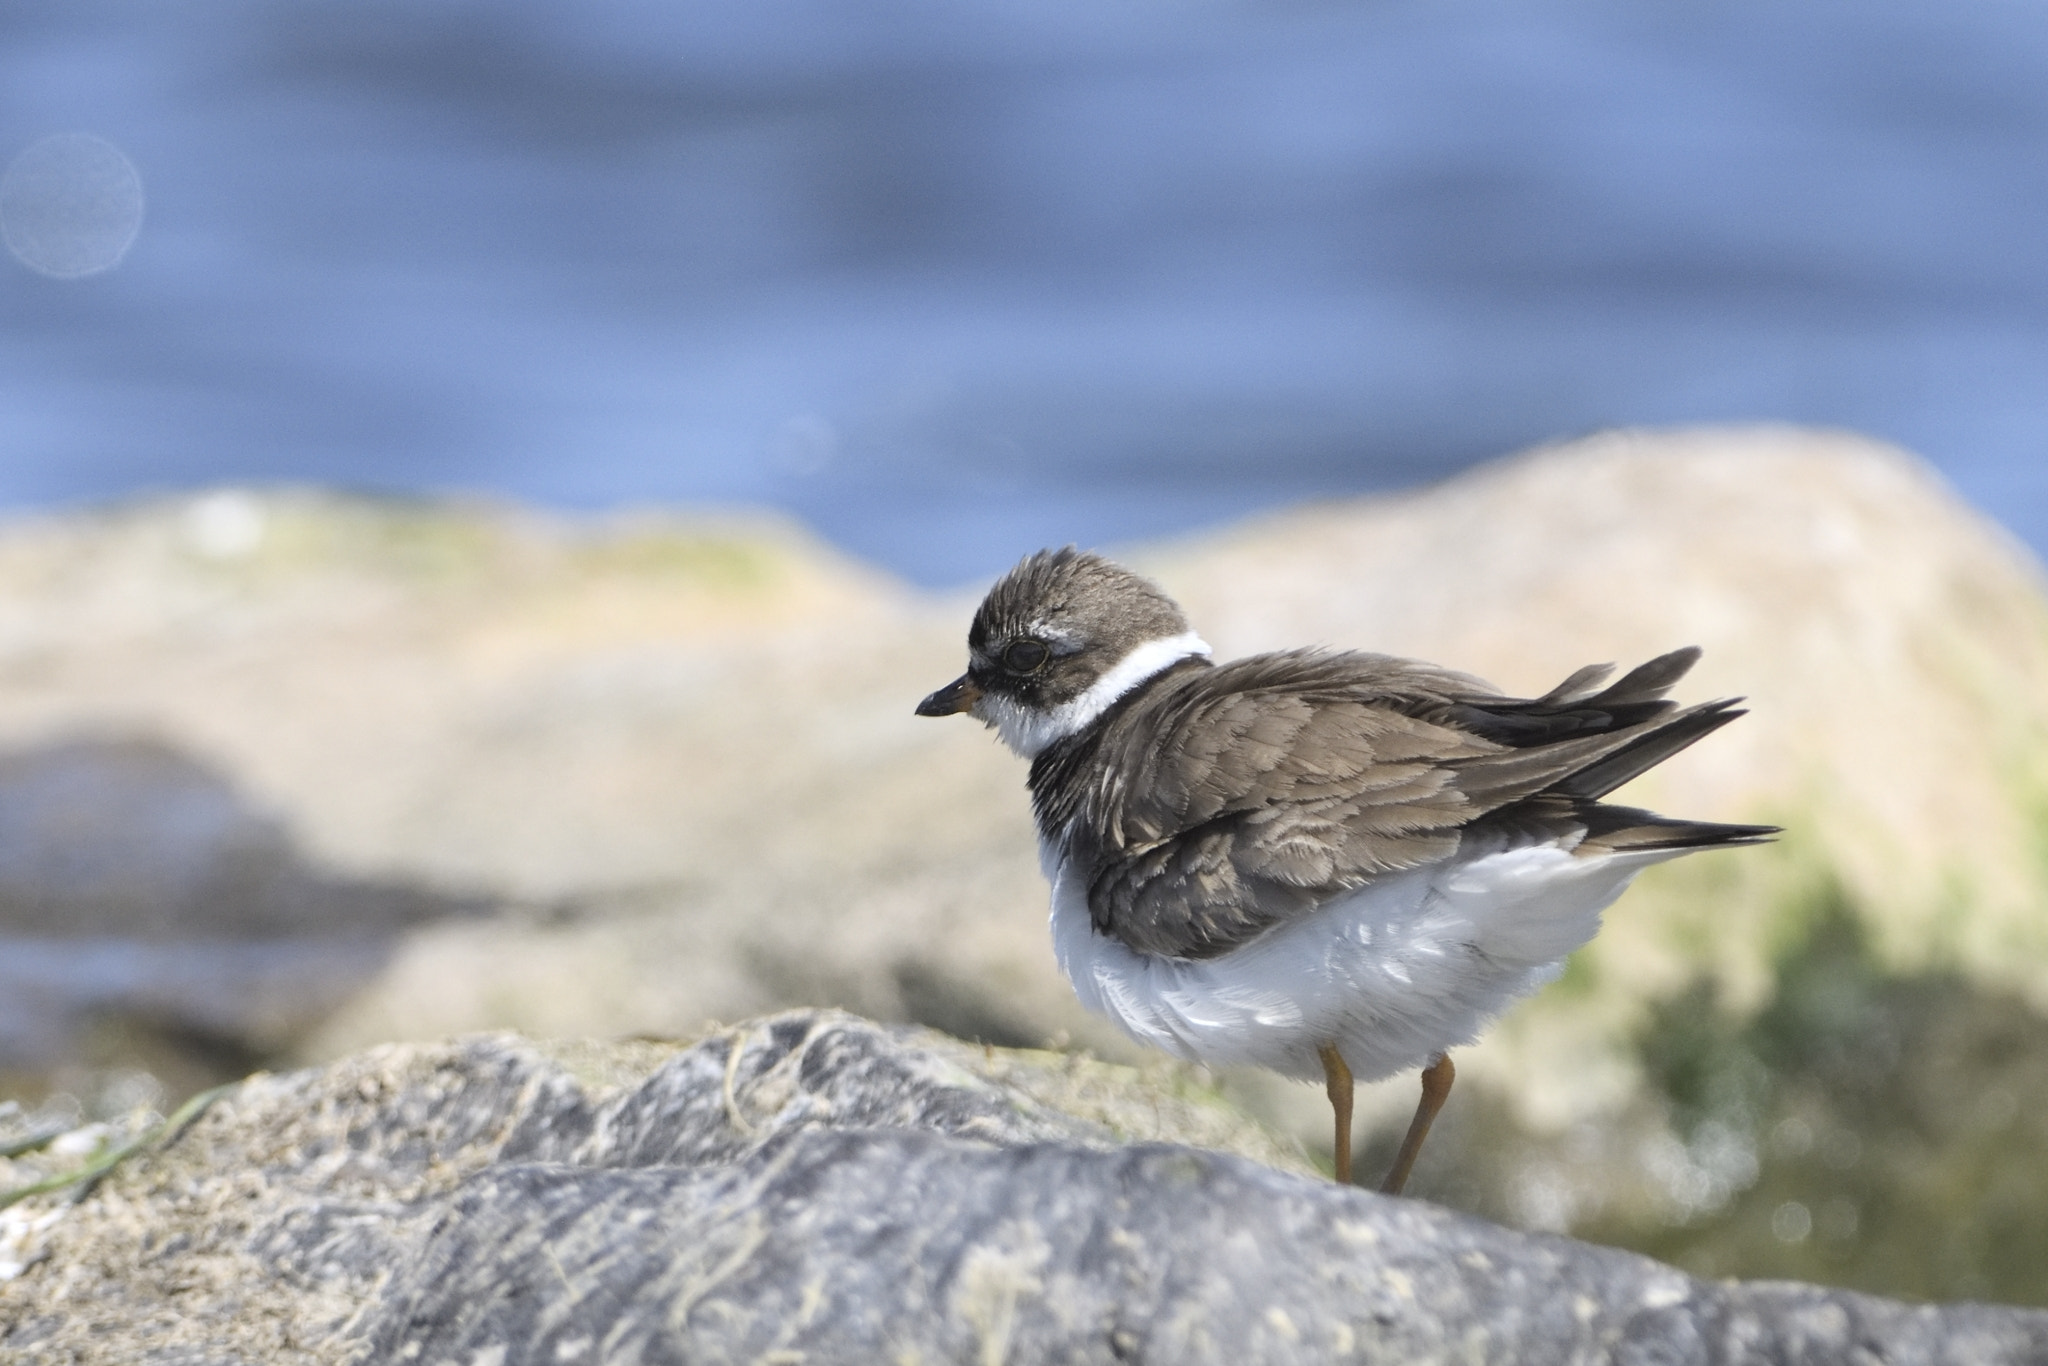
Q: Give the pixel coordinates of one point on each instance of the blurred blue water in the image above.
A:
(953, 280)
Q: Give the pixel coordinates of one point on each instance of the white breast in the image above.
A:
(1409, 965)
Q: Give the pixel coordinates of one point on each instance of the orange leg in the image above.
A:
(1436, 1087)
(1338, 1077)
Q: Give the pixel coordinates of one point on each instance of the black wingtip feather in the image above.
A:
(1654, 747)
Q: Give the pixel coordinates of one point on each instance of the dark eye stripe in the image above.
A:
(1025, 656)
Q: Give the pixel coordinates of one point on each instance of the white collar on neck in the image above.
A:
(1027, 732)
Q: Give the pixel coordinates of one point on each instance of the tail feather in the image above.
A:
(1593, 827)
(1579, 706)
(1579, 742)
(1627, 829)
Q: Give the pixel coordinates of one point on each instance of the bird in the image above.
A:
(1333, 864)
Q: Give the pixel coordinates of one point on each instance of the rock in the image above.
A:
(131, 839)
(875, 1247)
(139, 889)
(814, 1187)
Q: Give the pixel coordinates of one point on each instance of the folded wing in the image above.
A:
(1256, 791)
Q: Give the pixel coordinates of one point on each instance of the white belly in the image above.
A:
(1393, 974)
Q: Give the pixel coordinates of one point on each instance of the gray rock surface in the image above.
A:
(869, 1247)
(815, 1188)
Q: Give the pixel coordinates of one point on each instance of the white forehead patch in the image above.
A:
(1055, 635)
(1027, 731)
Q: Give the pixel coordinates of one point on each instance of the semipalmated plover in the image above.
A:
(1333, 865)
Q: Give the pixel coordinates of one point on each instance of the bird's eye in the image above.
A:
(1025, 656)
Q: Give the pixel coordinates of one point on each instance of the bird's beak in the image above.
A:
(952, 699)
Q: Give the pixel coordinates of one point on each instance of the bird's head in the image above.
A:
(1056, 641)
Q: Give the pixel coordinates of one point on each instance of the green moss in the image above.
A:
(2036, 808)
(1747, 905)
(444, 541)
(413, 538)
(1896, 1125)
(715, 561)
(1860, 1126)
(1580, 980)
